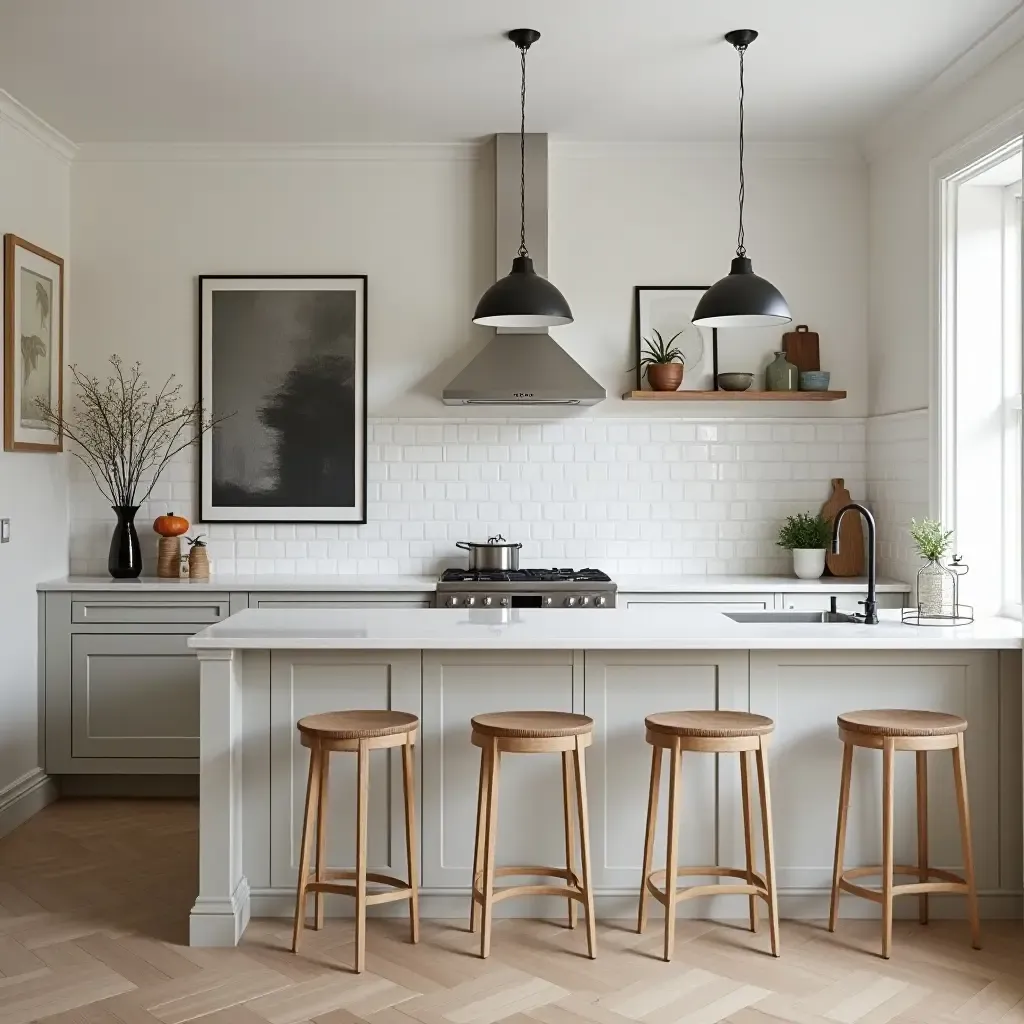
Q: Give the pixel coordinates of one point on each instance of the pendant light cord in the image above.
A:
(740, 237)
(522, 153)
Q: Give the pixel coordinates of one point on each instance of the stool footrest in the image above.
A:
(758, 888)
(945, 882)
(563, 891)
(333, 878)
(572, 890)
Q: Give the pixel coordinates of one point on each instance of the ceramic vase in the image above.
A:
(665, 376)
(934, 590)
(124, 561)
(809, 563)
(781, 375)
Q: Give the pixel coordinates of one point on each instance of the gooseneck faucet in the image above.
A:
(871, 604)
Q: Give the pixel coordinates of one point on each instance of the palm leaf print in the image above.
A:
(42, 302)
(32, 347)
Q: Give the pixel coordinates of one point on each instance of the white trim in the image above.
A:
(844, 152)
(258, 152)
(20, 117)
(1001, 38)
(220, 922)
(24, 797)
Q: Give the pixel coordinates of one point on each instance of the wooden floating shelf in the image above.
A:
(734, 396)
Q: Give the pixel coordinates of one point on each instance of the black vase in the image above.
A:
(125, 559)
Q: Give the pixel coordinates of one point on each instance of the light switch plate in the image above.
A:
(5, 531)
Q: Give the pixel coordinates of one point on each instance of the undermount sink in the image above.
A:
(796, 617)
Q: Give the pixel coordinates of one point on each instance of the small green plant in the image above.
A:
(931, 540)
(196, 541)
(804, 530)
(659, 351)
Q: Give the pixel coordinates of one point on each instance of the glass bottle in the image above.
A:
(781, 375)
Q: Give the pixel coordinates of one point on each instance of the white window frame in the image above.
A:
(1013, 446)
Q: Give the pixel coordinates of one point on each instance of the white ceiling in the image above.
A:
(412, 70)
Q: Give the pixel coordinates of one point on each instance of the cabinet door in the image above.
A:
(456, 686)
(621, 689)
(306, 683)
(845, 602)
(133, 696)
(804, 691)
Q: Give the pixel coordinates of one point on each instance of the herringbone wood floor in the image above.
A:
(80, 943)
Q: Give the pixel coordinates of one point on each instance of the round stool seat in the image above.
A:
(709, 724)
(357, 725)
(532, 725)
(899, 722)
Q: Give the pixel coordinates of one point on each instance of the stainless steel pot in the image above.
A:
(497, 555)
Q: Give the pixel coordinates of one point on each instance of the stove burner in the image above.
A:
(525, 576)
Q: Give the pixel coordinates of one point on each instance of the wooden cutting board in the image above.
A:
(850, 560)
(801, 348)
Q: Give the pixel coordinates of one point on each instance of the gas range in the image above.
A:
(525, 588)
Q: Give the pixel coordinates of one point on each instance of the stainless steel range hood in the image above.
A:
(524, 367)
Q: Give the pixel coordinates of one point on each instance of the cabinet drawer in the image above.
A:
(350, 600)
(145, 609)
(718, 602)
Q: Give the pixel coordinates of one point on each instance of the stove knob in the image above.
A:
(570, 602)
(547, 602)
(452, 602)
(486, 602)
(470, 601)
(504, 602)
(584, 601)
(600, 602)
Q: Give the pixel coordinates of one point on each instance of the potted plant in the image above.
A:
(934, 580)
(806, 534)
(125, 435)
(664, 362)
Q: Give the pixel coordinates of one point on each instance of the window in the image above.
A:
(1012, 412)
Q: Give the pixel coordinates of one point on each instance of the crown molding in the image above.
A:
(1000, 39)
(18, 116)
(272, 152)
(838, 150)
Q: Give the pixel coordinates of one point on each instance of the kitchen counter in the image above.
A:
(647, 584)
(677, 628)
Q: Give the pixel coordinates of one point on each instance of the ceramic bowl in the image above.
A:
(735, 381)
(814, 380)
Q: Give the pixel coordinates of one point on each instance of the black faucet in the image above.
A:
(871, 604)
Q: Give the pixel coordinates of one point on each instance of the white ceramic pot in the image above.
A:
(809, 563)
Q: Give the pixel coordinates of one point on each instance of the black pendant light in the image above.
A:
(523, 298)
(742, 299)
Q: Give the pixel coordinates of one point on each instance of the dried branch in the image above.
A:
(123, 436)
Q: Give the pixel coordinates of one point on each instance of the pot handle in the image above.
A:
(465, 545)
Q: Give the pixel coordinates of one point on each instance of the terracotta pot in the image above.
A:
(665, 376)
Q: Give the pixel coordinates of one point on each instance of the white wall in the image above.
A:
(34, 204)
(419, 221)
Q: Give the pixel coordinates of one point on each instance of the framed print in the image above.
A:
(33, 345)
(668, 309)
(283, 357)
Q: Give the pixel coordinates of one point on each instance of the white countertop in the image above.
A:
(667, 584)
(678, 628)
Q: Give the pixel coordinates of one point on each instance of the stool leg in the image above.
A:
(490, 842)
(844, 809)
(922, 831)
(583, 814)
(478, 849)
(671, 856)
(321, 838)
(960, 777)
(570, 858)
(312, 792)
(769, 849)
(410, 841)
(888, 765)
(649, 834)
(362, 801)
(746, 762)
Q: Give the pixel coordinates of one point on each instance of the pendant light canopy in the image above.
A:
(742, 299)
(523, 298)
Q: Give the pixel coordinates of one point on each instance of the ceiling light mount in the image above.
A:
(524, 38)
(741, 38)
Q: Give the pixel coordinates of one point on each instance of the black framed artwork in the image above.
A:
(668, 309)
(283, 359)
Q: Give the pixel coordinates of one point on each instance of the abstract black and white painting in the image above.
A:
(283, 358)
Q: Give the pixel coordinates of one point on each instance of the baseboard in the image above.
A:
(806, 905)
(132, 786)
(25, 797)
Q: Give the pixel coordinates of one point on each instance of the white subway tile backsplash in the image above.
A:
(627, 496)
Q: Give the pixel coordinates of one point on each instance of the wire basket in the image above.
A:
(940, 606)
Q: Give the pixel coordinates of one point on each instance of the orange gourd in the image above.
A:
(170, 525)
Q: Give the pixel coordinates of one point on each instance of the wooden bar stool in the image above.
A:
(709, 732)
(889, 731)
(531, 732)
(358, 732)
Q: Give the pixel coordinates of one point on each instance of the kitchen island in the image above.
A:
(262, 669)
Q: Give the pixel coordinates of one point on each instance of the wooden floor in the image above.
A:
(79, 944)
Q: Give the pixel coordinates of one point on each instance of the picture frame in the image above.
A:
(667, 309)
(33, 345)
(283, 357)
